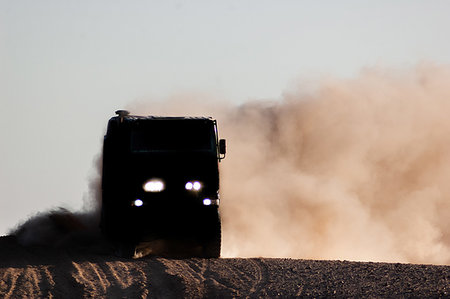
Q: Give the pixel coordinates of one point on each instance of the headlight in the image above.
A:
(195, 186)
(153, 186)
(138, 202)
(209, 202)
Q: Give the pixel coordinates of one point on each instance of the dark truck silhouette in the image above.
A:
(161, 181)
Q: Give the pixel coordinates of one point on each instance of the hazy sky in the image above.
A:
(66, 66)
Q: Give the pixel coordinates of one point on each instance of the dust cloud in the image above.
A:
(354, 169)
(61, 227)
(349, 169)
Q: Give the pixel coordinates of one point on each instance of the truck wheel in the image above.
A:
(125, 249)
(211, 246)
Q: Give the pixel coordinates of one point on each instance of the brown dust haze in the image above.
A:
(354, 169)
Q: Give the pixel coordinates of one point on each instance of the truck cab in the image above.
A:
(160, 180)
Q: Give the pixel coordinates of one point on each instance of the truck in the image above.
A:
(160, 180)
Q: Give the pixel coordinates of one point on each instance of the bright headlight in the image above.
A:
(138, 203)
(195, 185)
(153, 186)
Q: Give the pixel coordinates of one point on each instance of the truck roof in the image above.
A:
(125, 115)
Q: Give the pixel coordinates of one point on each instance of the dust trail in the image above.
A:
(354, 169)
(357, 169)
(60, 227)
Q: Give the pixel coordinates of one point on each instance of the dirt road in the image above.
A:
(93, 272)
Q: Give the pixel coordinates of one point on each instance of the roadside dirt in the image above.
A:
(92, 271)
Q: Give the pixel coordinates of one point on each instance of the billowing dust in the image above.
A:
(354, 169)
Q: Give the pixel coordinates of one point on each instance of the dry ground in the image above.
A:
(92, 271)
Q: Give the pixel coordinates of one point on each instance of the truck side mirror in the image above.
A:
(222, 148)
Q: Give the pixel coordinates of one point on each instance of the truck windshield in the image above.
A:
(161, 136)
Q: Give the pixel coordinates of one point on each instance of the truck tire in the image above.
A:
(211, 245)
(125, 249)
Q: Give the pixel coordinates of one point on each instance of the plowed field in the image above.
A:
(93, 272)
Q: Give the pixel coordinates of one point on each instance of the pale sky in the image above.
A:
(66, 66)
